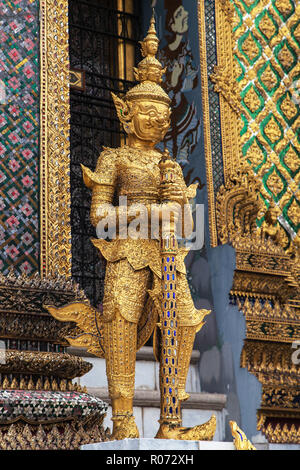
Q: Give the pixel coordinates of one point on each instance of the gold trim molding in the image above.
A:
(224, 78)
(206, 122)
(55, 230)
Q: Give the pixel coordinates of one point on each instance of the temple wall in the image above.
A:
(243, 389)
(198, 139)
(19, 128)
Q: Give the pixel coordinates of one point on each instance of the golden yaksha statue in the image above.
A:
(132, 301)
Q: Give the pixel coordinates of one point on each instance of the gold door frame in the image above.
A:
(55, 198)
(55, 227)
(224, 80)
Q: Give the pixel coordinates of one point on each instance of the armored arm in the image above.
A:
(104, 182)
(181, 194)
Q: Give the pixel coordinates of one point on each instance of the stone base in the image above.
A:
(284, 446)
(196, 410)
(158, 444)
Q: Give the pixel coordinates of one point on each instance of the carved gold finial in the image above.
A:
(240, 440)
(150, 69)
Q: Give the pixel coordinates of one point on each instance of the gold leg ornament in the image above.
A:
(120, 354)
(125, 295)
(186, 338)
(189, 323)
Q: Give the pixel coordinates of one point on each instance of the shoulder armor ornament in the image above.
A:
(89, 177)
(192, 191)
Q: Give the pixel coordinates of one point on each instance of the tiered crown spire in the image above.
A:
(150, 69)
(149, 72)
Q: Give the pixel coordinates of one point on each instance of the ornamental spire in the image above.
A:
(151, 37)
(149, 72)
(150, 69)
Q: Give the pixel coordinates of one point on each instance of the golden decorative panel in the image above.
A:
(279, 414)
(257, 78)
(206, 122)
(240, 440)
(77, 79)
(55, 231)
(266, 50)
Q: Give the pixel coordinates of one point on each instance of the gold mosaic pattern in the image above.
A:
(266, 48)
(207, 133)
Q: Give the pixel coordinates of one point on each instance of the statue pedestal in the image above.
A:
(159, 444)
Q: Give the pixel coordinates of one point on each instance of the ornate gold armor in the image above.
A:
(132, 292)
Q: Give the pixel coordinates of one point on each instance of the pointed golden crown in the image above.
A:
(149, 71)
(151, 36)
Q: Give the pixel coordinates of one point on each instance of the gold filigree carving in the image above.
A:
(251, 100)
(283, 6)
(77, 79)
(266, 280)
(206, 121)
(61, 365)
(268, 77)
(55, 239)
(90, 327)
(238, 205)
(226, 85)
(24, 296)
(35, 382)
(239, 438)
(250, 47)
(63, 437)
(294, 212)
